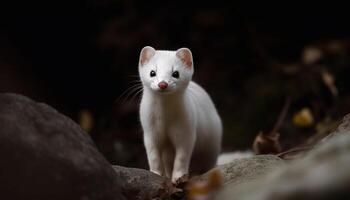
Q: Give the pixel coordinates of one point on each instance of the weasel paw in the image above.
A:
(181, 181)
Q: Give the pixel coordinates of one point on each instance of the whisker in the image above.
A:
(136, 81)
(127, 91)
(136, 94)
(133, 76)
(131, 92)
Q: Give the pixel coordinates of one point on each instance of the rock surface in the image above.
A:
(45, 155)
(322, 174)
(245, 169)
(143, 184)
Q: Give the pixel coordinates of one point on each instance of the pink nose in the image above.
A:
(162, 85)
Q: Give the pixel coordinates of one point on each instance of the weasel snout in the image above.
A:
(162, 85)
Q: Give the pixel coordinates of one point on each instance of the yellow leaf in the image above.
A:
(86, 120)
(303, 118)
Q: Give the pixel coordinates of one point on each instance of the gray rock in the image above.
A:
(344, 127)
(244, 169)
(45, 155)
(322, 174)
(143, 184)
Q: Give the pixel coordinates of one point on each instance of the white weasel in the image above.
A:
(182, 129)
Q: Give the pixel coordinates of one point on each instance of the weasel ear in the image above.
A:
(185, 55)
(146, 54)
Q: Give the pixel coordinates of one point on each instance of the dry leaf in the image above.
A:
(328, 80)
(205, 189)
(266, 144)
(303, 118)
(86, 120)
(311, 55)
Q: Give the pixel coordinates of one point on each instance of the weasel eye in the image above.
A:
(153, 73)
(176, 74)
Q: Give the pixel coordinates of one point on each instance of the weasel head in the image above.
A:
(165, 72)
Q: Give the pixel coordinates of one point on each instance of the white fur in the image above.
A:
(182, 129)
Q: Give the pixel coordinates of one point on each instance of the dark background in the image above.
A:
(79, 57)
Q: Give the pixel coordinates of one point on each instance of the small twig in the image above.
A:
(294, 150)
(281, 117)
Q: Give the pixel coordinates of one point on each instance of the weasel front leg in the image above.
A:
(153, 156)
(168, 155)
(181, 164)
(184, 145)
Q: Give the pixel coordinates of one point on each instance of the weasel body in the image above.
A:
(182, 129)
